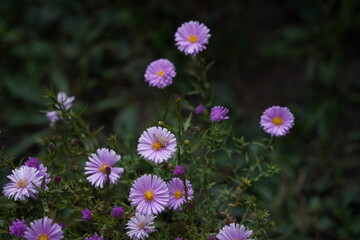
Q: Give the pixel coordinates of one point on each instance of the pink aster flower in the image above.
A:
(100, 167)
(191, 37)
(22, 184)
(34, 162)
(94, 237)
(160, 73)
(44, 229)
(149, 194)
(277, 121)
(177, 193)
(234, 231)
(17, 228)
(140, 226)
(218, 113)
(157, 144)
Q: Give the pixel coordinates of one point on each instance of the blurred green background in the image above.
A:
(300, 54)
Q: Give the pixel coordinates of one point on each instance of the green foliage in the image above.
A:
(303, 54)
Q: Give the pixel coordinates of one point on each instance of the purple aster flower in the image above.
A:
(52, 116)
(94, 237)
(44, 229)
(117, 211)
(179, 171)
(177, 193)
(100, 167)
(199, 109)
(191, 37)
(277, 121)
(212, 237)
(234, 231)
(218, 113)
(34, 163)
(140, 226)
(160, 73)
(64, 101)
(157, 144)
(86, 214)
(18, 228)
(149, 194)
(22, 184)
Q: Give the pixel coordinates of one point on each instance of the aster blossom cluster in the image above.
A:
(157, 171)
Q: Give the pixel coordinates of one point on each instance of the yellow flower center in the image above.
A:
(22, 184)
(103, 168)
(277, 121)
(161, 73)
(157, 145)
(149, 195)
(178, 194)
(192, 38)
(43, 237)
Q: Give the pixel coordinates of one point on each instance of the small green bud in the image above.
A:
(186, 142)
(161, 123)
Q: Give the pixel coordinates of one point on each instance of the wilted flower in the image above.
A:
(44, 229)
(191, 37)
(157, 144)
(160, 73)
(277, 121)
(52, 116)
(140, 226)
(149, 194)
(64, 101)
(100, 167)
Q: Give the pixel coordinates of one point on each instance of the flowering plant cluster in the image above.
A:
(167, 185)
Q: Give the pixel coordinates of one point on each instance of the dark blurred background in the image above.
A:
(300, 54)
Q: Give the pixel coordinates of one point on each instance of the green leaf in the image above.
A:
(187, 123)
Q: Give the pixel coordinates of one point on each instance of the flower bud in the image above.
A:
(52, 147)
(57, 179)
